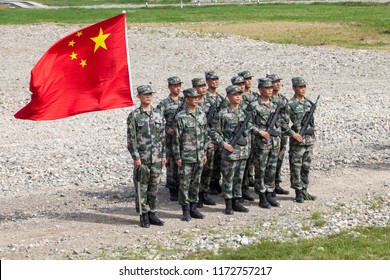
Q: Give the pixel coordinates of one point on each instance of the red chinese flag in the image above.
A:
(83, 72)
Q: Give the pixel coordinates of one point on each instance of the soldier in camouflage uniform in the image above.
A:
(233, 158)
(145, 142)
(265, 149)
(278, 97)
(170, 107)
(199, 84)
(213, 101)
(249, 174)
(189, 148)
(301, 146)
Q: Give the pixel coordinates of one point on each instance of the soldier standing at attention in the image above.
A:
(301, 146)
(213, 101)
(145, 142)
(265, 148)
(278, 97)
(189, 148)
(233, 158)
(249, 174)
(170, 107)
(199, 84)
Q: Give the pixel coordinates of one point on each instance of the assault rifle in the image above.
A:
(272, 119)
(239, 131)
(211, 114)
(307, 123)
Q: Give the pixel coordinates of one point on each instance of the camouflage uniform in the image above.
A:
(169, 108)
(233, 164)
(265, 154)
(284, 122)
(190, 145)
(300, 154)
(145, 142)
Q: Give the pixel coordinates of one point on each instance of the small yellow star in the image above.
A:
(71, 43)
(79, 34)
(73, 56)
(83, 62)
(100, 40)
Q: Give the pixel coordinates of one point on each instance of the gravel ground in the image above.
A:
(65, 186)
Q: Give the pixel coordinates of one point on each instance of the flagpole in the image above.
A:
(128, 59)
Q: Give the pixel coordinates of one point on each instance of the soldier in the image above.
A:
(145, 142)
(199, 84)
(301, 146)
(213, 101)
(249, 174)
(233, 158)
(278, 97)
(265, 149)
(189, 148)
(170, 107)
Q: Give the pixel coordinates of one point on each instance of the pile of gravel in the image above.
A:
(88, 151)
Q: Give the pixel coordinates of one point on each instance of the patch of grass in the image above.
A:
(377, 202)
(356, 25)
(317, 219)
(364, 244)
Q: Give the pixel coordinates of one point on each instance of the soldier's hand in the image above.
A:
(298, 137)
(228, 147)
(264, 134)
(170, 131)
(137, 164)
(164, 161)
(178, 162)
(204, 159)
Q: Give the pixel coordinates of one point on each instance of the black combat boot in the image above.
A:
(279, 189)
(238, 207)
(215, 187)
(154, 220)
(271, 200)
(199, 204)
(144, 220)
(194, 211)
(228, 209)
(308, 196)
(247, 195)
(299, 196)
(263, 203)
(173, 194)
(206, 200)
(186, 213)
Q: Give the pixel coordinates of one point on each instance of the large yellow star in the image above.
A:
(100, 40)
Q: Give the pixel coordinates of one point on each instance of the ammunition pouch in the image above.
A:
(242, 141)
(309, 131)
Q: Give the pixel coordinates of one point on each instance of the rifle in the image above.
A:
(211, 114)
(308, 120)
(272, 119)
(238, 131)
(178, 109)
(138, 186)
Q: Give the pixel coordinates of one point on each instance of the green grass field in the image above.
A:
(349, 25)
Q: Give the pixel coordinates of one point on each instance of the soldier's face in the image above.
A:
(235, 98)
(266, 91)
(241, 86)
(192, 101)
(201, 89)
(212, 83)
(300, 91)
(248, 82)
(277, 85)
(175, 89)
(146, 99)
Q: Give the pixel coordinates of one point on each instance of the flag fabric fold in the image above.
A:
(86, 71)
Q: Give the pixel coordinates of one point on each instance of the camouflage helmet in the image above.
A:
(233, 90)
(245, 74)
(145, 89)
(298, 81)
(274, 77)
(190, 92)
(237, 80)
(264, 83)
(211, 75)
(174, 80)
(198, 82)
